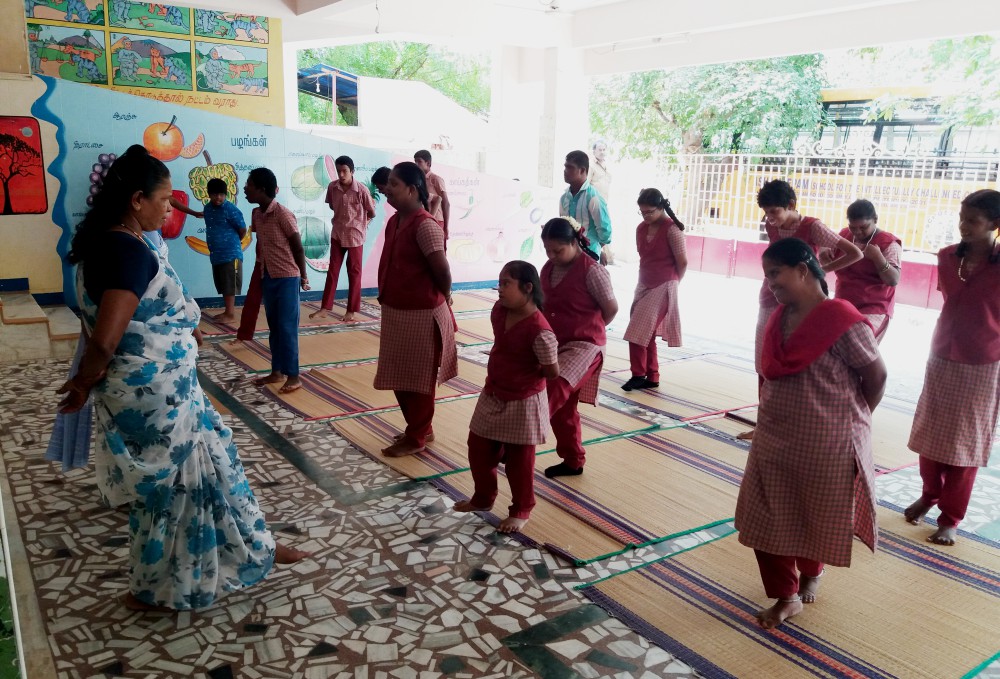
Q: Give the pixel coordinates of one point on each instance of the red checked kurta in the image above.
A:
(957, 413)
(572, 307)
(414, 312)
(654, 306)
(809, 482)
(861, 285)
(513, 407)
(816, 234)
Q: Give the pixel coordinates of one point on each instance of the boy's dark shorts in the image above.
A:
(228, 277)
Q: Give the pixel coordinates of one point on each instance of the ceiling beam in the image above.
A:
(919, 20)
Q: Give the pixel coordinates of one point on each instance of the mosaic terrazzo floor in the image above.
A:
(399, 587)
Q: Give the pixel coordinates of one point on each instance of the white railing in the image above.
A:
(917, 198)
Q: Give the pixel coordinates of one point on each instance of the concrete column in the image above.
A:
(565, 124)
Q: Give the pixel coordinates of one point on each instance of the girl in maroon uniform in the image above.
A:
(662, 263)
(417, 341)
(870, 284)
(579, 302)
(809, 482)
(512, 413)
(953, 428)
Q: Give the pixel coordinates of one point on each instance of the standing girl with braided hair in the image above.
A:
(662, 263)
(579, 303)
(955, 423)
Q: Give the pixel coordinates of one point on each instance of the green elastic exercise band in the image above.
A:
(654, 542)
(600, 439)
(975, 671)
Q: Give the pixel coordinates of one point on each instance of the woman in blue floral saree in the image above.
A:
(196, 529)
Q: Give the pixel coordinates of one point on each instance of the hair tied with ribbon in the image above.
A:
(577, 227)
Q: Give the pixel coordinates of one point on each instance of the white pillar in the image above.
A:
(565, 124)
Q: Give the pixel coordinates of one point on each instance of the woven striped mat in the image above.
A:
(320, 349)
(209, 326)
(884, 617)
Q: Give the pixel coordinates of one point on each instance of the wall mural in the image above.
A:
(493, 220)
(22, 173)
(216, 61)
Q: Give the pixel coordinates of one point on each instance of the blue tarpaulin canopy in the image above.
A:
(317, 81)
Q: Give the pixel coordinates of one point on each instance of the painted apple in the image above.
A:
(163, 140)
(175, 220)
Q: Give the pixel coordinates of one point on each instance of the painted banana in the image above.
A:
(201, 247)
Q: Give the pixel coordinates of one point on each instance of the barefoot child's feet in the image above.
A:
(808, 587)
(916, 512)
(399, 437)
(228, 319)
(511, 525)
(466, 506)
(943, 536)
(746, 435)
(402, 448)
(290, 385)
(321, 314)
(273, 378)
(235, 342)
(349, 317)
(782, 610)
(286, 555)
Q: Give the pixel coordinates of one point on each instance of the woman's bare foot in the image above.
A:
(466, 506)
(286, 555)
(511, 525)
(807, 588)
(134, 604)
(402, 448)
(273, 378)
(746, 435)
(943, 536)
(399, 437)
(349, 317)
(290, 385)
(916, 512)
(321, 314)
(782, 610)
(228, 319)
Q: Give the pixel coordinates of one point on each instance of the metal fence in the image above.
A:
(917, 198)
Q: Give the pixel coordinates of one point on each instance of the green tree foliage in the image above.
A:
(975, 63)
(463, 77)
(741, 107)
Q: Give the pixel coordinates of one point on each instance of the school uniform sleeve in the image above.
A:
(599, 216)
(329, 194)
(894, 254)
(430, 237)
(675, 239)
(289, 225)
(857, 347)
(546, 347)
(823, 236)
(599, 284)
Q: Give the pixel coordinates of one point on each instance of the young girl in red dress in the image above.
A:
(956, 418)
(417, 339)
(579, 303)
(662, 263)
(809, 482)
(781, 220)
(512, 413)
(870, 284)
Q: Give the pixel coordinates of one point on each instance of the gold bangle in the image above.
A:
(885, 268)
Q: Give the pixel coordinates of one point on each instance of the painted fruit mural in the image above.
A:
(166, 141)
(316, 242)
(198, 179)
(175, 220)
(304, 185)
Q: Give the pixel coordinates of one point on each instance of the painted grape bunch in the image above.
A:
(98, 171)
